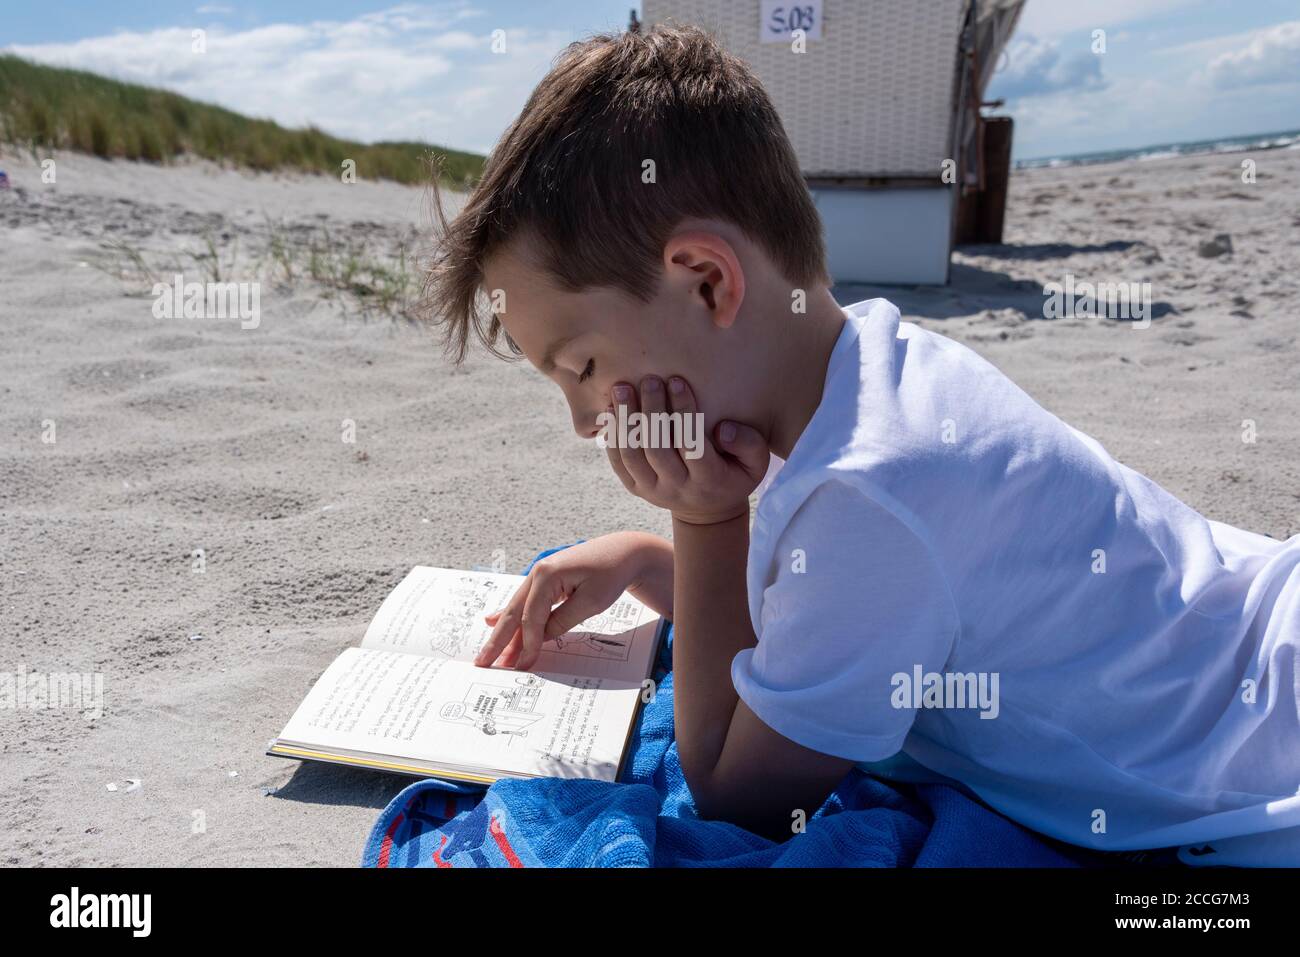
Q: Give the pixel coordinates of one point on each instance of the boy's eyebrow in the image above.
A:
(548, 357)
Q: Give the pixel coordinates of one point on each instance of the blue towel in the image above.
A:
(648, 819)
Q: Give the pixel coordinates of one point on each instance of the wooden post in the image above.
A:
(981, 214)
(997, 173)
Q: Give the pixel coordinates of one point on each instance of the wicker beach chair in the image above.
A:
(876, 103)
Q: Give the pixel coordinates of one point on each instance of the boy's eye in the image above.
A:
(587, 370)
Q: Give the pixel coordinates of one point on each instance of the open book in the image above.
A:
(411, 700)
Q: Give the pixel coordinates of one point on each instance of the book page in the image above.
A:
(437, 709)
(439, 612)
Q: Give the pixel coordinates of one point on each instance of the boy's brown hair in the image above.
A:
(569, 171)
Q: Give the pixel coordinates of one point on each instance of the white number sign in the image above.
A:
(777, 21)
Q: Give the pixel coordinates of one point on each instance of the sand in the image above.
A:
(172, 435)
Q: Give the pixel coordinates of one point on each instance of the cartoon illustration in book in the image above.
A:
(498, 709)
(607, 635)
(460, 624)
(447, 635)
(593, 642)
(462, 619)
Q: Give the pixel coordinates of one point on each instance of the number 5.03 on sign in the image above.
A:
(777, 21)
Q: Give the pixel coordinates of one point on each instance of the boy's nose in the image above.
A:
(586, 424)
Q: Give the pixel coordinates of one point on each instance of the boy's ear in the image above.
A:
(706, 265)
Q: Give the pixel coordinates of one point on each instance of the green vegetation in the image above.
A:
(367, 278)
(43, 108)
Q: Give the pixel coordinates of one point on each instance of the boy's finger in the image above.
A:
(616, 463)
(633, 459)
(682, 399)
(508, 620)
(747, 445)
(511, 654)
(546, 591)
(662, 458)
(611, 453)
(577, 609)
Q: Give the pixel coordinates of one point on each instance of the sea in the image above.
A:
(1228, 144)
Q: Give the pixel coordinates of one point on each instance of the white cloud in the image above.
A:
(406, 73)
(1271, 55)
(215, 9)
(1034, 67)
(1137, 113)
(1055, 18)
(1141, 93)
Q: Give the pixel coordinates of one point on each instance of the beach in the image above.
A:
(204, 512)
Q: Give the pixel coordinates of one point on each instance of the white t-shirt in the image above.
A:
(1096, 642)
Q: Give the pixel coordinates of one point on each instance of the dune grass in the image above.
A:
(367, 278)
(44, 107)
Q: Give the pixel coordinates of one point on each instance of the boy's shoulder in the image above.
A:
(907, 414)
(880, 318)
(914, 389)
(889, 386)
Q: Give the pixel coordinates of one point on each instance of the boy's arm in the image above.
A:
(738, 768)
(653, 584)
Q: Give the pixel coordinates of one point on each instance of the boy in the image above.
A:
(939, 568)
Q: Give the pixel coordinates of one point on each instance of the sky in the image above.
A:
(1171, 70)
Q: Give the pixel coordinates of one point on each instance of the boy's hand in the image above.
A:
(587, 578)
(702, 491)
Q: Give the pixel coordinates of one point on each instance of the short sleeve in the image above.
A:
(855, 598)
(774, 465)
